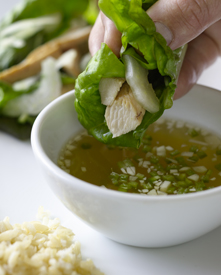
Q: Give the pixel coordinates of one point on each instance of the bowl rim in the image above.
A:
(41, 155)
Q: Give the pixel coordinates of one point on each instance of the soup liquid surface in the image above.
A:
(174, 158)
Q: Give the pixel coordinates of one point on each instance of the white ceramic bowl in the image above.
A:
(146, 221)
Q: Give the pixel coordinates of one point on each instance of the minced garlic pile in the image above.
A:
(41, 248)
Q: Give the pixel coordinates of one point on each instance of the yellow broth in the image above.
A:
(174, 158)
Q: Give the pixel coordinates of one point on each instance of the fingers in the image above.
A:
(180, 21)
(112, 37)
(96, 36)
(201, 53)
(214, 33)
(198, 21)
(105, 31)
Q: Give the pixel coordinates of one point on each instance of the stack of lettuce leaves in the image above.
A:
(26, 27)
(138, 36)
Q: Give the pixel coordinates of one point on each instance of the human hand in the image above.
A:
(197, 22)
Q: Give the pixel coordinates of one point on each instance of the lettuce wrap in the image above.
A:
(32, 33)
(138, 36)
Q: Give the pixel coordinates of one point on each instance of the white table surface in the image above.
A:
(23, 190)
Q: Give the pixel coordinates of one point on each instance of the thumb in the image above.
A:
(180, 21)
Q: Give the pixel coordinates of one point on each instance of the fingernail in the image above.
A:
(164, 31)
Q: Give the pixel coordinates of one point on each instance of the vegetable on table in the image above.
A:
(61, 14)
(30, 33)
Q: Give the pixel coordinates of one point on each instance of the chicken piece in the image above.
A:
(32, 64)
(125, 114)
(109, 88)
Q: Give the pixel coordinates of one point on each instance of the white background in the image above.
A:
(23, 190)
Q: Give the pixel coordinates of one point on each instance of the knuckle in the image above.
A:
(193, 14)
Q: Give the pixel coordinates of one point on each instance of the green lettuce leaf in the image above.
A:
(88, 102)
(138, 35)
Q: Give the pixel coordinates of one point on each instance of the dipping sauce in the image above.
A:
(175, 157)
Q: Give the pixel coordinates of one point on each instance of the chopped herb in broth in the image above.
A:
(174, 158)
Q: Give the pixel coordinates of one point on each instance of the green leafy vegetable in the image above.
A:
(28, 25)
(19, 127)
(138, 35)
(49, 88)
(31, 24)
(36, 8)
(7, 92)
(92, 12)
(88, 102)
(18, 40)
